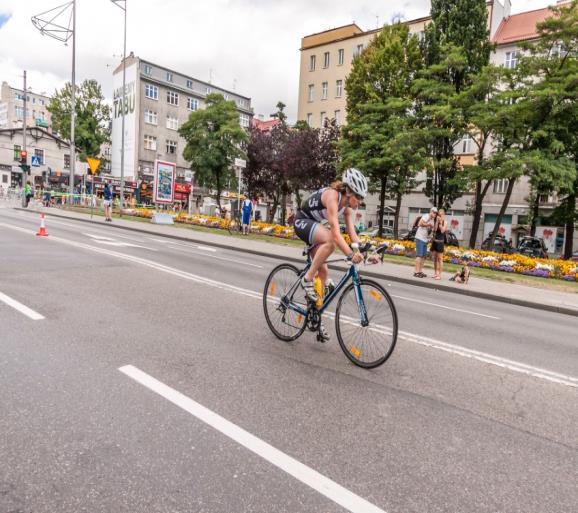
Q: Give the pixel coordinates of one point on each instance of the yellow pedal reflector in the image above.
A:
(272, 288)
(354, 351)
(376, 295)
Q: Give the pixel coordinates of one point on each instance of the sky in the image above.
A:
(247, 46)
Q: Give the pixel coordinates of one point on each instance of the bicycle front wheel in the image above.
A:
(366, 346)
(282, 292)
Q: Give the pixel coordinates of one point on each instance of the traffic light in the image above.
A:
(23, 157)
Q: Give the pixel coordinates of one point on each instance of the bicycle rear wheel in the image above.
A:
(280, 291)
(366, 346)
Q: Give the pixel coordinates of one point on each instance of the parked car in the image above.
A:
(501, 245)
(386, 234)
(451, 239)
(532, 247)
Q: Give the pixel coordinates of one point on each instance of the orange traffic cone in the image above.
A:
(42, 232)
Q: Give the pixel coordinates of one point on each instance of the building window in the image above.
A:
(150, 142)
(466, 145)
(241, 103)
(148, 70)
(500, 185)
(151, 91)
(340, 56)
(326, 60)
(33, 100)
(244, 120)
(19, 111)
(339, 88)
(171, 147)
(357, 51)
(169, 76)
(41, 102)
(17, 150)
(192, 103)
(172, 98)
(312, 63)
(40, 154)
(208, 90)
(322, 118)
(324, 89)
(4, 178)
(66, 161)
(337, 116)
(310, 93)
(190, 84)
(151, 117)
(172, 123)
(512, 59)
(309, 118)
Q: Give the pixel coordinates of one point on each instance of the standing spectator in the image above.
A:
(437, 243)
(291, 218)
(28, 192)
(107, 202)
(425, 224)
(247, 213)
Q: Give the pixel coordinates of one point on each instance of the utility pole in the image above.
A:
(123, 104)
(73, 106)
(24, 144)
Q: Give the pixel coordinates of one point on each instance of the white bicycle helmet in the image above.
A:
(355, 180)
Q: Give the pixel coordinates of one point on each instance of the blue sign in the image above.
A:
(35, 160)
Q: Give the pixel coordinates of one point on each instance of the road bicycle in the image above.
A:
(365, 317)
(233, 224)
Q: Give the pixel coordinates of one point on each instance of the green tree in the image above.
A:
(456, 47)
(214, 138)
(92, 117)
(380, 111)
(552, 59)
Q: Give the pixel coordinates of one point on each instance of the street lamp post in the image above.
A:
(123, 104)
(47, 24)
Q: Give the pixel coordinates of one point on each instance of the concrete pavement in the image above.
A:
(521, 295)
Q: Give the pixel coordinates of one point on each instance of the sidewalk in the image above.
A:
(522, 295)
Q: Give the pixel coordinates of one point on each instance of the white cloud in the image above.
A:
(251, 43)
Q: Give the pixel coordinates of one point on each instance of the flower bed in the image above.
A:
(518, 264)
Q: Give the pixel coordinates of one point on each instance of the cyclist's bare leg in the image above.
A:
(325, 247)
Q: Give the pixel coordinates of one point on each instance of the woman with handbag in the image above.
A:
(438, 242)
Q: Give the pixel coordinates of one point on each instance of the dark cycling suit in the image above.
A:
(311, 214)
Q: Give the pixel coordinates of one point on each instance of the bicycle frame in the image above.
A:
(352, 274)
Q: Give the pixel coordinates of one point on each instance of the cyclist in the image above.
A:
(327, 204)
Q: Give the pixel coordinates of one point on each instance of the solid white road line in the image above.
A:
(410, 337)
(207, 248)
(445, 307)
(35, 316)
(308, 476)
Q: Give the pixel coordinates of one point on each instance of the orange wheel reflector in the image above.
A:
(299, 318)
(272, 288)
(354, 351)
(376, 295)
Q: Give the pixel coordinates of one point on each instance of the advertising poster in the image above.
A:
(124, 103)
(505, 230)
(164, 186)
(548, 233)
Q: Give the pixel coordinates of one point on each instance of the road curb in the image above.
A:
(398, 279)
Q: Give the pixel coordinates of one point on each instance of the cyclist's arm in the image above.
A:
(348, 216)
(330, 200)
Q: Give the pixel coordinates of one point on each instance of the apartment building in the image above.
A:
(326, 59)
(12, 108)
(48, 157)
(159, 101)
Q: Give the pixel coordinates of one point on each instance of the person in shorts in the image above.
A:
(426, 223)
(107, 202)
(247, 210)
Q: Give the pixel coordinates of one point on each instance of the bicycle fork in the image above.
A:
(359, 298)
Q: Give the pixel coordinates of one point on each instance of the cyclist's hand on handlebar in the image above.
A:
(373, 259)
(357, 258)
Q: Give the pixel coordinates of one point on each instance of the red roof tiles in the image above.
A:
(520, 27)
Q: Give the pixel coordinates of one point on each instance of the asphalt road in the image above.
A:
(476, 411)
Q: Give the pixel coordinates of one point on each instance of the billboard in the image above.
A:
(164, 184)
(129, 106)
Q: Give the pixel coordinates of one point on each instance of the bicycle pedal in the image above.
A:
(321, 339)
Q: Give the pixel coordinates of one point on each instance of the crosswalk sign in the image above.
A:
(35, 160)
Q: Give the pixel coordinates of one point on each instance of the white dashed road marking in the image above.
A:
(23, 309)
